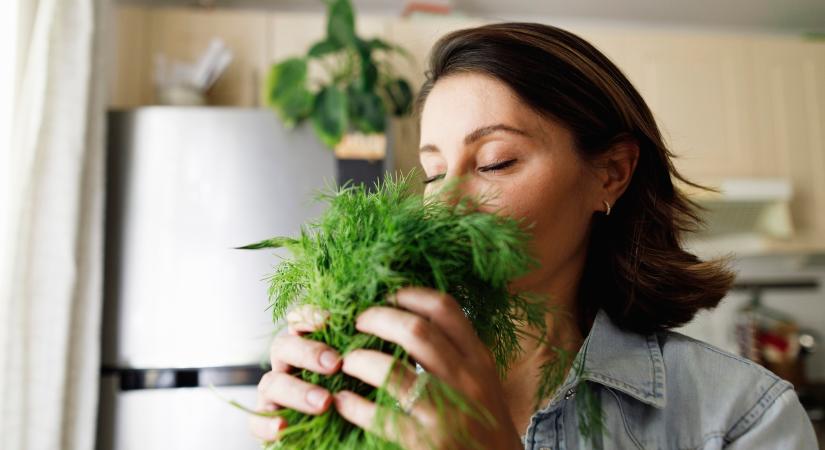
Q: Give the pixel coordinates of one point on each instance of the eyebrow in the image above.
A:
(478, 134)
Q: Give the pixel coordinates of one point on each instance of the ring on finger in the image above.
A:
(417, 389)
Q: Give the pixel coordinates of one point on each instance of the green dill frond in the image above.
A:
(588, 404)
(589, 412)
(552, 373)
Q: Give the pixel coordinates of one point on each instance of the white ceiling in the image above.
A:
(778, 15)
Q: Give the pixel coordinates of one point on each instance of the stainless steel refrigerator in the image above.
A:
(183, 309)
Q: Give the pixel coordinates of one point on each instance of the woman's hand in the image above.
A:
(278, 389)
(431, 327)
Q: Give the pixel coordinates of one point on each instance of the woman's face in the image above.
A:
(476, 128)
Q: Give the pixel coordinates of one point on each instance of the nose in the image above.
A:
(456, 186)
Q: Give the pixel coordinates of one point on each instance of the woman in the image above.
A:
(543, 119)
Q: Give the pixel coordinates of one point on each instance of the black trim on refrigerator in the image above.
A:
(170, 378)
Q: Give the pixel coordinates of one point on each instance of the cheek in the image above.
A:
(556, 205)
(547, 194)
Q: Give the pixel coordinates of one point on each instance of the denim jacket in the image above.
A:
(668, 391)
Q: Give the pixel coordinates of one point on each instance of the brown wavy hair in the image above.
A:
(636, 269)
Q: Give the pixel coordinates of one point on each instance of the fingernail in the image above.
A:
(329, 359)
(319, 317)
(275, 425)
(268, 408)
(294, 317)
(317, 397)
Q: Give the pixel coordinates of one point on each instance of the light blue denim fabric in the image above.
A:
(668, 391)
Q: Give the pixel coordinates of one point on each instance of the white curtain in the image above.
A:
(52, 236)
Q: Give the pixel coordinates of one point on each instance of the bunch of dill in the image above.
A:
(368, 244)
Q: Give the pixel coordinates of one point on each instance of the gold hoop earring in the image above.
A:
(607, 213)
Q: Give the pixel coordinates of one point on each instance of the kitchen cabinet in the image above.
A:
(129, 70)
(790, 134)
(697, 87)
(182, 34)
(256, 40)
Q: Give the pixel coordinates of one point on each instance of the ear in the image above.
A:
(614, 171)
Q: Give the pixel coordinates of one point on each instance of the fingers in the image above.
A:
(290, 392)
(399, 428)
(266, 428)
(379, 369)
(288, 350)
(306, 319)
(423, 340)
(355, 409)
(285, 351)
(444, 311)
(278, 389)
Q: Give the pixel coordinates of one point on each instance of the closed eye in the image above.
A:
(434, 178)
(497, 166)
(488, 168)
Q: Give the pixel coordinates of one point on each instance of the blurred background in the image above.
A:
(142, 140)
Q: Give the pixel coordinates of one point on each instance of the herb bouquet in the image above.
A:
(369, 244)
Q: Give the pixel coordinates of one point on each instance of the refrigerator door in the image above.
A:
(187, 186)
(174, 419)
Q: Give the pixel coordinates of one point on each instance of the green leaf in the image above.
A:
(367, 76)
(287, 92)
(286, 77)
(323, 48)
(368, 73)
(295, 107)
(330, 115)
(341, 24)
(401, 96)
(367, 112)
(378, 44)
(276, 242)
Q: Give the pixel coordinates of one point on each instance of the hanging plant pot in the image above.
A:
(350, 105)
(362, 158)
(372, 147)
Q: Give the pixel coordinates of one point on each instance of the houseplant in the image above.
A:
(358, 90)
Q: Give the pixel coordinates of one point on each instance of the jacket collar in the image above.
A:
(624, 361)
